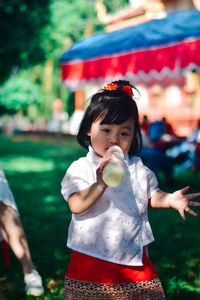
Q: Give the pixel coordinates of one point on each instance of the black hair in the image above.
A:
(119, 106)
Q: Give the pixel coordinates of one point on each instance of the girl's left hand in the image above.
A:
(181, 202)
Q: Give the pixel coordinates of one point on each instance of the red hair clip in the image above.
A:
(127, 89)
(111, 87)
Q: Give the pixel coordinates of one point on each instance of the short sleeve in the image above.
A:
(78, 177)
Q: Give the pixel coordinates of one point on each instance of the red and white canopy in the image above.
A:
(159, 51)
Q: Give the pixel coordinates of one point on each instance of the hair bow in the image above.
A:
(127, 89)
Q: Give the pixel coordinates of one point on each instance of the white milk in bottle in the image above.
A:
(113, 173)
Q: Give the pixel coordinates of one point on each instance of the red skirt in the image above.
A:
(89, 278)
(88, 268)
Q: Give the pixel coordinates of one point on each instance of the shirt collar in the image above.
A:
(92, 156)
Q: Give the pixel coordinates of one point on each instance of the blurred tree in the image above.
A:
(21, 22)
(68, 21)
(18, 93)
(34, 34)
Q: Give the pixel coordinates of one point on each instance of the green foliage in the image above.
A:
(18, 93)
(68, 19)
(33, 32)
(36, 31)
(21, 22)
(176, 285)
(114, 5)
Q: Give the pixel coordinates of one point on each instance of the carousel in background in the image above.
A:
(153, 44)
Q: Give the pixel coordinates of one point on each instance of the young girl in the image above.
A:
(110, 231)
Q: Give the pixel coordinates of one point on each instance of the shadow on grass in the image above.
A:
(34, 169)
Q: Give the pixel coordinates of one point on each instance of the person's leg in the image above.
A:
(13, 232)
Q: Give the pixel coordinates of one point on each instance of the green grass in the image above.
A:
(34, 168)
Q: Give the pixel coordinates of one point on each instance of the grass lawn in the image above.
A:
(34, 168)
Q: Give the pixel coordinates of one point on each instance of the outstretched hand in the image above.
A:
(181, 202)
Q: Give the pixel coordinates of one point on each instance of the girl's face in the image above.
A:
(103, 136)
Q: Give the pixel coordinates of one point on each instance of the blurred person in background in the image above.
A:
(186, 153)
(156, 159)
(11, 230)
(162, 135)
(144, 126)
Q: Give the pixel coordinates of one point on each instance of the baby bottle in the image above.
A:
(113, 172)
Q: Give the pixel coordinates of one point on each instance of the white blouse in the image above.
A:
(116, 227)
